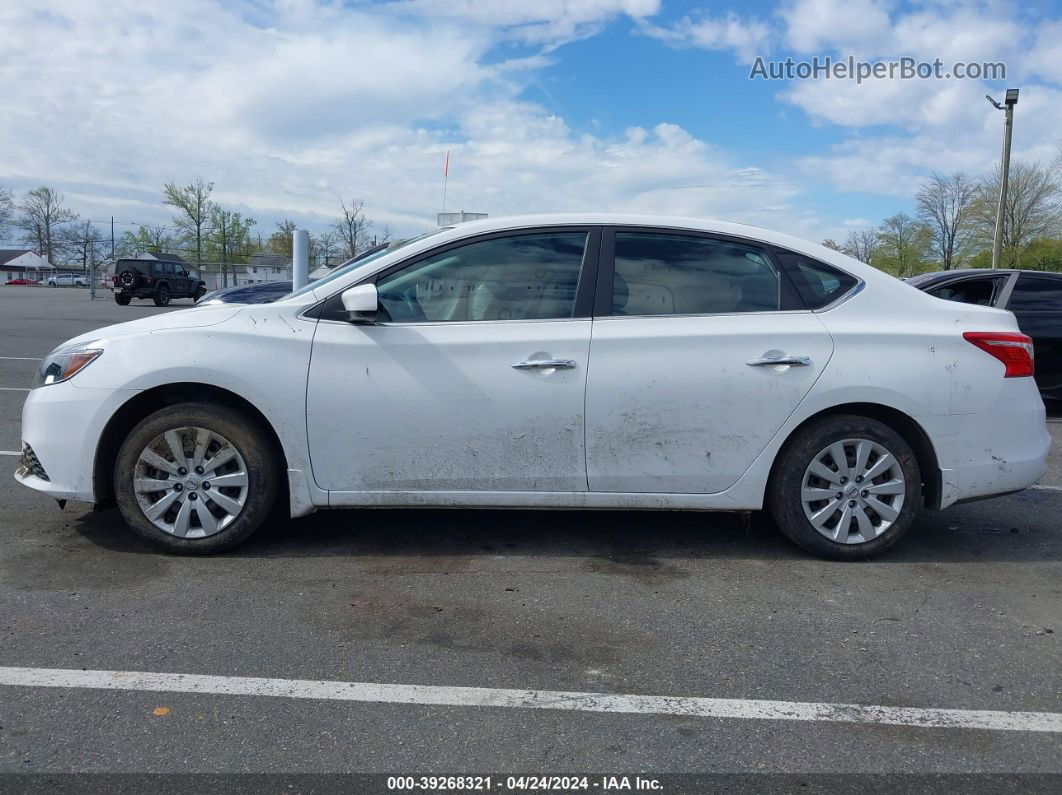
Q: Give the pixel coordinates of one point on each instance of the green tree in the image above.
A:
(153, 239)
(280, 241)
(193, 211)
(230, 238)
(903, 244)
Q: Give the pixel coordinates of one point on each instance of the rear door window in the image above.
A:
(674, 274)
(980, 291)
(1036, 294)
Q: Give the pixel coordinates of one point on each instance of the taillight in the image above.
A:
(1014, 350)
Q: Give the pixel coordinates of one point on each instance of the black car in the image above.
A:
(155, 279)
(1035, 298)
(262, 293)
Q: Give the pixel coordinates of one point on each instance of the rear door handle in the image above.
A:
(795, 361)
(545, 364)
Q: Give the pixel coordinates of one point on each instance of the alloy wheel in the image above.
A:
(853, 491)
(191, 482)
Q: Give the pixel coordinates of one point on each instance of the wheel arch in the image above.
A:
(903, 424)
(144, 403)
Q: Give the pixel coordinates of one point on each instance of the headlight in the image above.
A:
(64, 363)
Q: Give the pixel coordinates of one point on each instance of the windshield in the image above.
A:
(361, 259)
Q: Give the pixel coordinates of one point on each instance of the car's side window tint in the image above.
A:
(522, 277)
(968, 291)
(672, 274)
(1036, 294)
(819, 284)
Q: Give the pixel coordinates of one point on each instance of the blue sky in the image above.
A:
(627, 105)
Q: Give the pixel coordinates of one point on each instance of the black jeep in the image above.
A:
(160, 281)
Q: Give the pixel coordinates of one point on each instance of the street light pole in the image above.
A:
(1008, 126)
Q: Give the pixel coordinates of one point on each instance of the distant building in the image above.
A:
(449, 219)
(22, 263)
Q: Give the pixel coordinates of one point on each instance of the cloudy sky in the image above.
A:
(626, 105)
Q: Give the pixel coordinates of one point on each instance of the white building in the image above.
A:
(21, 263)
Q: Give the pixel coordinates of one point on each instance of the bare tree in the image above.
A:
(945, 205)
(903, 242)
(1033, 209)
(82, 243)
(861, 244)
(352, 227)
(41, 217)
(832, 244)
(324, 248)
(193, 206)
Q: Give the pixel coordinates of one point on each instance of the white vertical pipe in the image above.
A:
(300, 248)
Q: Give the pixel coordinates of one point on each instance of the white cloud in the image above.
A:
(288, 108)
(533, 21)
(746, 37)
(815, 26)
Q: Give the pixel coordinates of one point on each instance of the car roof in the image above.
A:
(933, 275)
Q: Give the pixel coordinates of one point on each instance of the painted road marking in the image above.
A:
(15, 388)
(532, 699)
(10, 452)
(1045, 487)
(21, 358)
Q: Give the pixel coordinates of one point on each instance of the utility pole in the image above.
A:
(1008, 126)
(112, 237)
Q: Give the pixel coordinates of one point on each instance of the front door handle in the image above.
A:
(545, 364)
(795, 361)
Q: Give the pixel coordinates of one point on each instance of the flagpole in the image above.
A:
(446, 177)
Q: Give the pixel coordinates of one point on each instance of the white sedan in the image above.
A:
(592, 361)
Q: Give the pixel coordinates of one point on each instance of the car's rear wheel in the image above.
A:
(196, 478)
(846, 487)
(122, 300)
(162, 296)
(199, 293)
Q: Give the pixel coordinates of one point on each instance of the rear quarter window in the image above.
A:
(1036, 294)
(817, 283)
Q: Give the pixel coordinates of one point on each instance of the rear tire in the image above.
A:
(199, 293)
(250, 463)
(121, 300)
(162, 296)
(853, 511)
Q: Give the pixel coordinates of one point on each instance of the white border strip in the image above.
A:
(533, 699)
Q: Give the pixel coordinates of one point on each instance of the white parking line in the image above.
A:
(14, 388)
(532, 699)
(21, 358)
(10, 452)
(1045, 487)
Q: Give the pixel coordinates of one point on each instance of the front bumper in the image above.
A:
(62, 425)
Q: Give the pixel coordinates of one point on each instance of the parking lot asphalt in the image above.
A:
(965, 614)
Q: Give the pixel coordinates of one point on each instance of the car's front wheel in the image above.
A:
(196, 478)
(846, 487)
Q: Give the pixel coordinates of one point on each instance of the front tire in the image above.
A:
(196, 478)
(846, 488)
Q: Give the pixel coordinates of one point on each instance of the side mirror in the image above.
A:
(362, 303)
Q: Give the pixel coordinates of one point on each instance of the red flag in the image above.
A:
(446, 165)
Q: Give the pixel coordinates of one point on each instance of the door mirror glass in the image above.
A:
(361, 303)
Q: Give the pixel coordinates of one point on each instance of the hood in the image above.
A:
(185, 318)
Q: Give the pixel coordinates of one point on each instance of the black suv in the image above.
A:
(160, 281)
